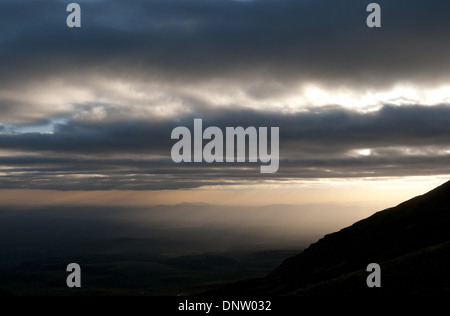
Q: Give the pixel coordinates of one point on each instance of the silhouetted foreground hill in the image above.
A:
(411, 242)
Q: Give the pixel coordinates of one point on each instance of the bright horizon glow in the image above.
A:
(308, 208)
(386, 190)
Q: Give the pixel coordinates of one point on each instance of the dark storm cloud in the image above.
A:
(317, 40)
(334, 129)
(126, 137)
(322, 143)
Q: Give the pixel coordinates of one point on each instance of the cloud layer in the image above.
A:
(332, 142)
(93, 108)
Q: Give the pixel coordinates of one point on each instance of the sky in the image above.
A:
(86, 113)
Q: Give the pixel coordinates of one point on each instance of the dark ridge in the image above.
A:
(409, 241)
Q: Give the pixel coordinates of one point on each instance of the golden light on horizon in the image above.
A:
(386, 192)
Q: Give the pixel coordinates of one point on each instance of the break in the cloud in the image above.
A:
(93, 108)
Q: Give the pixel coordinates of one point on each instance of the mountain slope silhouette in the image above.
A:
(411, 242)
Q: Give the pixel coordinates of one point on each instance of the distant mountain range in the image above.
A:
(410, 242)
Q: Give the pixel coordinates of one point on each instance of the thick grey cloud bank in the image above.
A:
(395, 141)
(111, 92)
(325, 40)
(264, 46)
